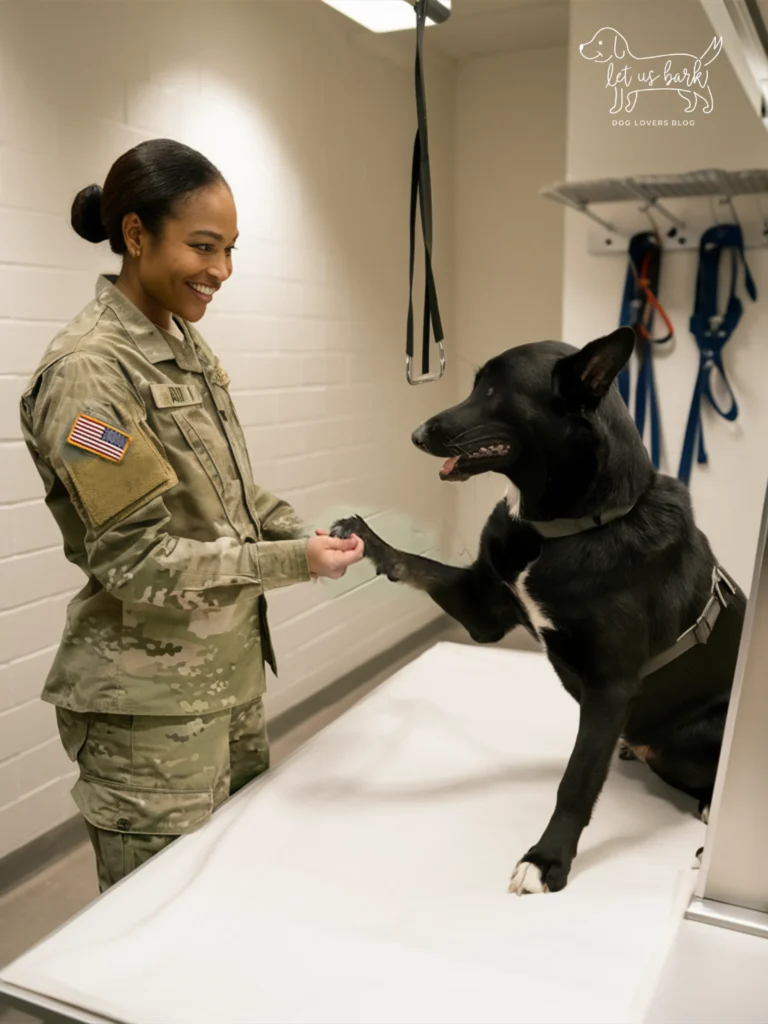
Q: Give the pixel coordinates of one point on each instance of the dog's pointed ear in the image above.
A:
(581, 380)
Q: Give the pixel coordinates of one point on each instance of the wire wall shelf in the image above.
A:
(686, 222)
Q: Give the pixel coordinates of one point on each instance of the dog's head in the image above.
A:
(606, 44)
(546, 415)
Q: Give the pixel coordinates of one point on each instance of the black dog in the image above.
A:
(601, 561)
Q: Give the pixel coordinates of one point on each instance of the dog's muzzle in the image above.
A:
(419, 437)
(476, 441)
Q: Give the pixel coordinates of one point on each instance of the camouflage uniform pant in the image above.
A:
(145, 780)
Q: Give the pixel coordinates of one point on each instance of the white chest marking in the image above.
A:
(512, 498)
(538, 618)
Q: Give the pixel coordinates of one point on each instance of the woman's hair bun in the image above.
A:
(86, 214)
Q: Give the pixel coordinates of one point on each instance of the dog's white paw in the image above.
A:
(526, 878)
(705, 815)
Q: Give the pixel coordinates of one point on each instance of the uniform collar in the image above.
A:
(156, 345)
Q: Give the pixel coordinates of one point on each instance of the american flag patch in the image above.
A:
(94, 436)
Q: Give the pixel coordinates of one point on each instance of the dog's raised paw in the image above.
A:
(387, 561)
(526, 878)
(344, 528)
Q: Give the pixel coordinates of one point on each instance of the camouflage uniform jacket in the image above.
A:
(146, 472)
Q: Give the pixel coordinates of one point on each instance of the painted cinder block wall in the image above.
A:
(314, 131)
(315, 135)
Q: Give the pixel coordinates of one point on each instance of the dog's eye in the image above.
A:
(489, 392)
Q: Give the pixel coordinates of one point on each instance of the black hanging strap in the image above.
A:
(421, 189)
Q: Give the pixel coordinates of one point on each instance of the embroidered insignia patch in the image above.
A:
(99, 438)
(220, 376)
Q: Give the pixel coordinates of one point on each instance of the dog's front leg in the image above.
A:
(473, 596)
(545, 867)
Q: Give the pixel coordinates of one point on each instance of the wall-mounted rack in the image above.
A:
(687, 224)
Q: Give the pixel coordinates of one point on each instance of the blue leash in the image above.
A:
(712, 333)
(637, 311)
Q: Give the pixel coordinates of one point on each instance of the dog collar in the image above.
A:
(551, 529)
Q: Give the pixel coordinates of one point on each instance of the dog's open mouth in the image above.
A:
(454, 469)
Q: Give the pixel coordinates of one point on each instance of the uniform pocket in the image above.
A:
(194, 435)
(214, 455)
(141, 810)
(73, 731)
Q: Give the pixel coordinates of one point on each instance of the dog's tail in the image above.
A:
(712, 51)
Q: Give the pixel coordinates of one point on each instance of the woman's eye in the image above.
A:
(207, 248)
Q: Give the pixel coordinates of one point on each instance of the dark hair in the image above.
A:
(148, 180)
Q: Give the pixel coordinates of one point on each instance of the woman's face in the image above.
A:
(181, 270)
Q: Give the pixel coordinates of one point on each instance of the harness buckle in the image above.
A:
(718, 577)
(703, 628)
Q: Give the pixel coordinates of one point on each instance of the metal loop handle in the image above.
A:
(426, 378)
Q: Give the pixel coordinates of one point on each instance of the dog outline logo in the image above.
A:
(628, 75)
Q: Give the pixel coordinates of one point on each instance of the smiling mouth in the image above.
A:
(205, 291)
(454, 469)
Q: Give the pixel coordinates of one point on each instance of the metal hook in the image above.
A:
(728, 201)
(428, 376)
(654, 226)
(671, 217)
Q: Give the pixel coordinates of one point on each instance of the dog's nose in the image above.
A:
(419, 436)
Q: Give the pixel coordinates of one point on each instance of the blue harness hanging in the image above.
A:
(712, 332)
(638, 305)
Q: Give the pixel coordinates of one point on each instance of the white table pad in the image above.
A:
(364, 879)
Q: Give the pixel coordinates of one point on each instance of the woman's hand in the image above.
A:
(330, 556)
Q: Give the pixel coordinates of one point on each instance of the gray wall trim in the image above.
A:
(19, 865)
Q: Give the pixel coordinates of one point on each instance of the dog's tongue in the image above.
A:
(448, 471)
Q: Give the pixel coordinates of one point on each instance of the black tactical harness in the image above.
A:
(698, 633)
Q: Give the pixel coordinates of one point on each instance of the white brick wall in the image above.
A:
(516, 234)
(728, 494)
(315, 135)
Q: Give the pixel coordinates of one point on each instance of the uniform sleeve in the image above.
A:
(89, 429)
(278, 520)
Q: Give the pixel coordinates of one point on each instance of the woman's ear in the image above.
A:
(132, 232)
(581, 380)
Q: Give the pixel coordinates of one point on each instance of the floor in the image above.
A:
(712, 975)
(47, 900)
